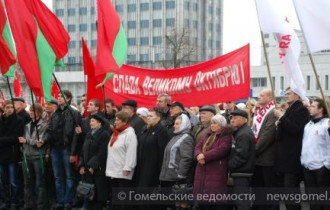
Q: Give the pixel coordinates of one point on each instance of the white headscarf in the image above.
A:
(185, 123)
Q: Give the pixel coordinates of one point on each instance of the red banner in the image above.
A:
(225, 78)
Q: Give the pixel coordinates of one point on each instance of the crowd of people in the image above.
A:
(46, 151)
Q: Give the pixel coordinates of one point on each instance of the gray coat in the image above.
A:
(266, 145)
(178, 157)
(30, 148)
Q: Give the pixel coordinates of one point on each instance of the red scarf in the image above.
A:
(116, 132)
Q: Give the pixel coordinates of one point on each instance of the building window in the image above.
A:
(170, 21)
(144, 57)
(71, 12)
(71, 60)
(93, 26)
(131, 58)
(168, 56)
(259, 82)
(131, 7)
(282, 83)
(195, 24)
(186, 5)
(144, 24)
(93, 10)
(210, 43)
(217, 45)
(170, 4)
(157, 5)
(157, 23)
(131, 41)
(218, 11)
(131, 24)
(119, 8)
(158, 56)
(71, 28)
(144, 40)
(72, 44)
(317, 84)
(144, 6)
(186, 22)
(210, 10)
(59, 12)
(326, 86)
(93, 43)
(210, 27)
(308, 83)
(218, 28)
(195, 7)
(274, 82)
(157, 40)
(82, 27)
(83, 11)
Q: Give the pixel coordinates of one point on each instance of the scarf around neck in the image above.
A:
(116, 133)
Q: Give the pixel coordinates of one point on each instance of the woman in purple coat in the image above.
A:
(211, 154)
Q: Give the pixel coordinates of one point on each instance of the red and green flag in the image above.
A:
(112, 45)
(7, 50)
(40, 41)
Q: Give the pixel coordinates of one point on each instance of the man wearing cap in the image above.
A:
(229, 107)
(50, 107)
(135, 121)
(19, 104)
(176, 109)
(242, 156)
(205, 114)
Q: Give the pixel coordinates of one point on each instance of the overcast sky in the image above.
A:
(241, 24)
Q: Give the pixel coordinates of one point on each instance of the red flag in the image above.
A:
(51, 27)
(41, 101)
(24, 31)
(6, 56)
(18, 92)
(89, 69)
(2, 99)
(55, 90)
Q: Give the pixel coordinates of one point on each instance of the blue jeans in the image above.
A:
(9, 186)
(64, 176)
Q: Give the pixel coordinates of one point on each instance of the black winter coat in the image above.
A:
(289, 135)
(242, 155)
(150, 152)
(137, 124)
(61, 129)
(94, 155)
(10, 129)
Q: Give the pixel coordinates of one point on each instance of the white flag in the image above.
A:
(314, 19)
(288, 43)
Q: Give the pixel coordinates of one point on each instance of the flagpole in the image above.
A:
(105, 110)
(313, 65)
(34, 112)
(266, 58)
(11, 94)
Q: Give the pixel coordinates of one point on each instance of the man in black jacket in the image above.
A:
(11, 127)
(135, 121)
(63, 142)
(289, 133)
(19, 104)
(242, 156)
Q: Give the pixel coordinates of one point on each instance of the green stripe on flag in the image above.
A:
(46, 58)
(9, 40)
(119, 51)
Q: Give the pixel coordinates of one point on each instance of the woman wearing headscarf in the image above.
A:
(212, 153)
(93, 159)
(178, 155)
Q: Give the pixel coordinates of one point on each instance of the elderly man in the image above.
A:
(135, 121)
(205, 114)
(50, 108)
(19, 104)
(289, 133)
(242, 156)
(163, 101)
